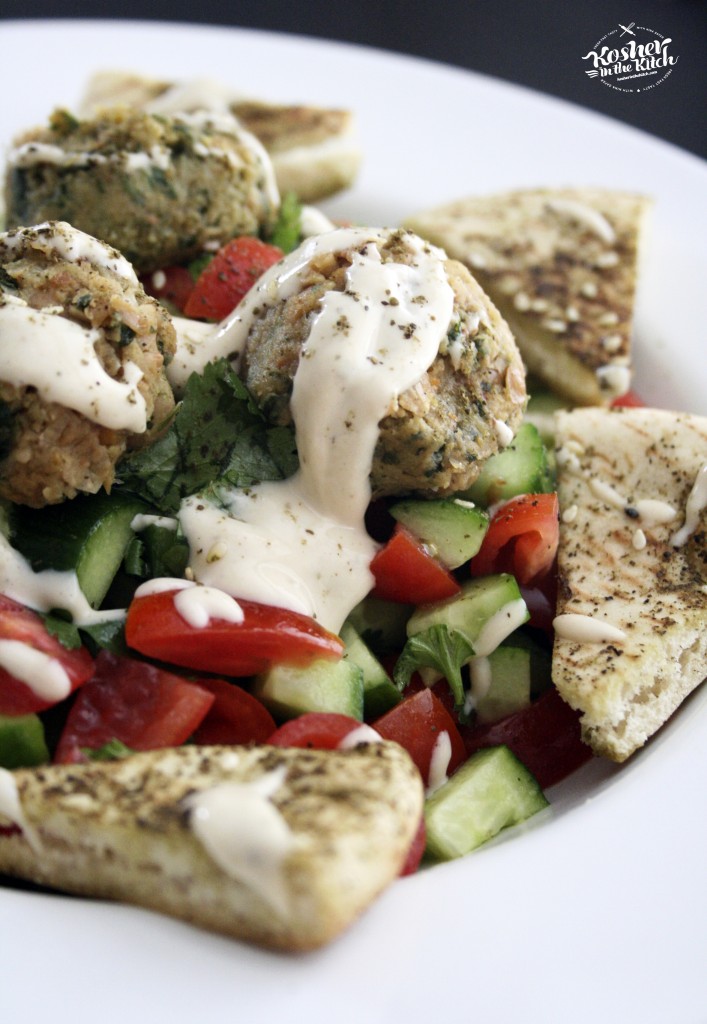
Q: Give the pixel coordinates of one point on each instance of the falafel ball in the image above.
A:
(159, 189)
(438, 434)
(82, 356)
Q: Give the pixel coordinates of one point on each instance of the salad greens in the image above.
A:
(217, 436)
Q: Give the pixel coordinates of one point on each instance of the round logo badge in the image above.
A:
(631, 58)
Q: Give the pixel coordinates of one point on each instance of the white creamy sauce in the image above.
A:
(314, 222)
(57, 357)
(244, 833)
(614, 379)
(29, 154)
(47, 589)
(439, 762)
(503, 432)
(11, 808)
(199, 605)
(70, 244)
(696, 504)
(363, 734)
(586, 629)
(196, 94)
(44, 675)
(480, 677)
(198, 344)
(162, 585)
(301, 543)
(653, 512)
(146, 159)
(595, 221)
(501, 624)
(142, 521)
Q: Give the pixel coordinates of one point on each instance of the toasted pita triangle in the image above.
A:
(315, 151)
(618, 565)
(561, 266)
(126, 830)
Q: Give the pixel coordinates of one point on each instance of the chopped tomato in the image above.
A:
(416, 723)
(141, 705)
(405, 571)
(235, 716)
(229, 276)
(545, 736)
(541, 601)
(416, 851)
(628, 401)
(22, 626)
(521, 539)
(173, 286)
(316, 730)
(266, 636)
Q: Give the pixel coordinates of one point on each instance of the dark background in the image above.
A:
(538, 44)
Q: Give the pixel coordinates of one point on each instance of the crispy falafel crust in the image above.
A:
(160, 189)
(57, 452)
(438, 434)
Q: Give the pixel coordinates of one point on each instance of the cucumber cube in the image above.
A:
(451, 528)
(521, 468)
(491, 791)
(22, 742)
(379, 692)
(324, 685)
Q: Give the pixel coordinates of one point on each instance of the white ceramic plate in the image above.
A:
(599, 912)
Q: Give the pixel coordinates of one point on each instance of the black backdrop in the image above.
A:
(538, 43)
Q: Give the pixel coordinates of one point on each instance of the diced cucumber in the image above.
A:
(451, 527)
(485, 611)
(521, 468)
(379, 692)
(88, 535)
(381, 624)
(509, 687)
(324, 685)
(491, 791)
(22, 741)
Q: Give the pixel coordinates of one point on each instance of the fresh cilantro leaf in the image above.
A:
(62, 630)
(437, 647)
(217, 435)
(109, 635)
(113, 750)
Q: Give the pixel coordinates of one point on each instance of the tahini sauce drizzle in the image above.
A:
(244, 833)
(301, 543)
(43, 349)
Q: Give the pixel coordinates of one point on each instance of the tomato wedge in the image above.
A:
(235, 716)
(545, 736)
(141, 705)
(266, 636)
(229, 276)
(406, 572)
(416, 851)
(629, 400)
(27, 646)
(173, 286)
(521, 539)
(416, 724)
(318, 730)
